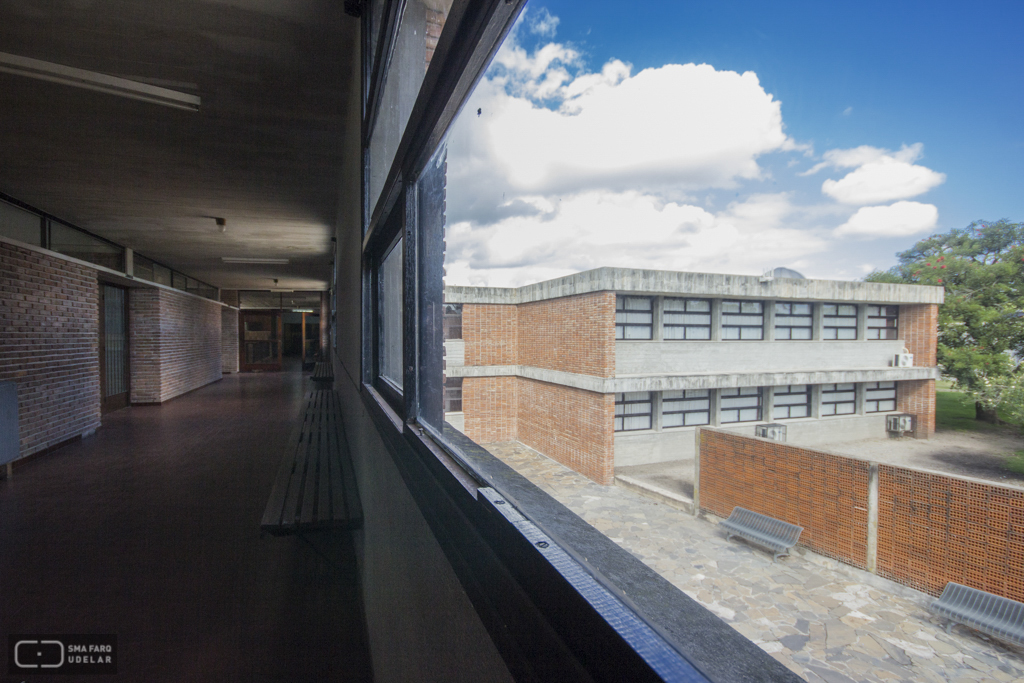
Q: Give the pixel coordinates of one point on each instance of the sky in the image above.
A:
(734, 137)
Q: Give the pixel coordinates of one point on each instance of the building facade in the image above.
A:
(615, 367)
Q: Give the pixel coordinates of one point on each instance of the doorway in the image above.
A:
(261, 333)
(114, 378)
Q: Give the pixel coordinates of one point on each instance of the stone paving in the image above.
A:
(822, 619)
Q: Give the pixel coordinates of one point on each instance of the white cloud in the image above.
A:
(896, 220)
(543, 23)
(879, 175)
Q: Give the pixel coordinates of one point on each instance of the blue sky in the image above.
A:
(842, 133)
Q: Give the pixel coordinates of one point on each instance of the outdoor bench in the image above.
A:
(323, 372)
(315, 486)
(992, 614)
(774, 534)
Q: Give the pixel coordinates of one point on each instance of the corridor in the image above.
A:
(150, 530)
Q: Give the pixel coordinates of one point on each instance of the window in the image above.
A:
(453, 321)
(793, 321)
(453, 395)
(686, 318)
(879, 397)
(742, 320)
(634, 317)
(632, 411)
(882, 322)
(20, 225)
(741, 405)
(81, 245)
(685, 408)
(839, 321)
(838, 399)
(791, 400)
(390, 316)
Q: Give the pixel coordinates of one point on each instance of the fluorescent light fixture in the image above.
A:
(91, 80)
(245, 259)
(302, 310)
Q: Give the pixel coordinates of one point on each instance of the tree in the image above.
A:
(981, 323)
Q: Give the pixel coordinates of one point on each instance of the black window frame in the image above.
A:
(686, 397)
(685, 326)
(452, 394)
(831, 332)
(886, 312)
(724, 395)
(623, 326)
(872, 403)
(788, 327)
(620, 418)
(788, 407)
(828, 393)
(740, 326)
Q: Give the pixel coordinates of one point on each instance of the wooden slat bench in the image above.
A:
(323, 374)
(774, 534)
(992, 614)
(315, 486)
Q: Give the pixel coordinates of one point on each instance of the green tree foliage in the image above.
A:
(981, 323)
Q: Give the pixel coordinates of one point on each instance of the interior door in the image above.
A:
(261, 340)
(114, 379)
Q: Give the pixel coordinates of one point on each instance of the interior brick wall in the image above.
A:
(919, 328)
(826, 494)
(569, 425)
(490, 406)
(917, 397)
(933, 529)
(490, 332)
(229, 346)
(571, 334)
(49, 345)
(175, 344)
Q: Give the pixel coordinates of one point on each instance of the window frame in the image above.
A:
(686, 327)
(626, 402)
(722, 395)
(789, 406)
(686, 411)
(741, 327)
(825, 317)
(877, 387)
(625, 325)
(789, 328)
(874, 332)
(836, 390)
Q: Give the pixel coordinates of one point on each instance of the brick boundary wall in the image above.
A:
(49, 345)
(571, 426)
(933, 529)
(825, 494)
(571, 333)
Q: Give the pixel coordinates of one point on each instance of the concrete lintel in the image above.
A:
(655, 282)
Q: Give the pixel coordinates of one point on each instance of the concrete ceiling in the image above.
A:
(262, 152)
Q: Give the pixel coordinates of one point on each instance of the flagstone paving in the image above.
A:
(822, 619)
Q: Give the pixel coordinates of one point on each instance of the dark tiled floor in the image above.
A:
(150, 530)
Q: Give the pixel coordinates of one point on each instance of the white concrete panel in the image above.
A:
(454, 353)
(457, 420)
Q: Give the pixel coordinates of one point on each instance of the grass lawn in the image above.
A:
(954, 410)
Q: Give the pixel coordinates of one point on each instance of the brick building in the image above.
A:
(614, 367)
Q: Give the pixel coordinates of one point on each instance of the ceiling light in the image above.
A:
(243, 259)
(91, 80)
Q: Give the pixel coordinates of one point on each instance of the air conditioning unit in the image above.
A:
(772, 430)
(903, 360)
(900, 423)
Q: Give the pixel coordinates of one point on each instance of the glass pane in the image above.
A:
(161, 275)
(698, 333)
(142, 267)
(391, 316)
(20, 225)
(77, 244)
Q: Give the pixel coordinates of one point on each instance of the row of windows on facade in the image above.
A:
(690, 319)
(634, 410)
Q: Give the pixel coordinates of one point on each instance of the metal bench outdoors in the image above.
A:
(774, 534)
(992, 614)
(323, 372)
(315, 487)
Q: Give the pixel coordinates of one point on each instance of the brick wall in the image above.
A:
(490, 405)
(918, 328)
(49, 345)
(175, 344)
(933, 529)
(826, 494)
(571, 334)
(229, 340)
(569, 425)
(490, 332)
(917, 397)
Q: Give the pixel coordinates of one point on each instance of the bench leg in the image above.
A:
(949, 626)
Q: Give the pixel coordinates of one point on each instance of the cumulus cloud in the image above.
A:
(543, 23)
(879, 175)
(896, 220)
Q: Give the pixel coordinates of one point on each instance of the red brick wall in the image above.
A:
(175, 344)
(571, 334)
(825, 494)
(569, 425)
(490, 332)
(918, 328)
(49, 345)
(489, 404)
(933, 529)
(229, 340)
(917, 397)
